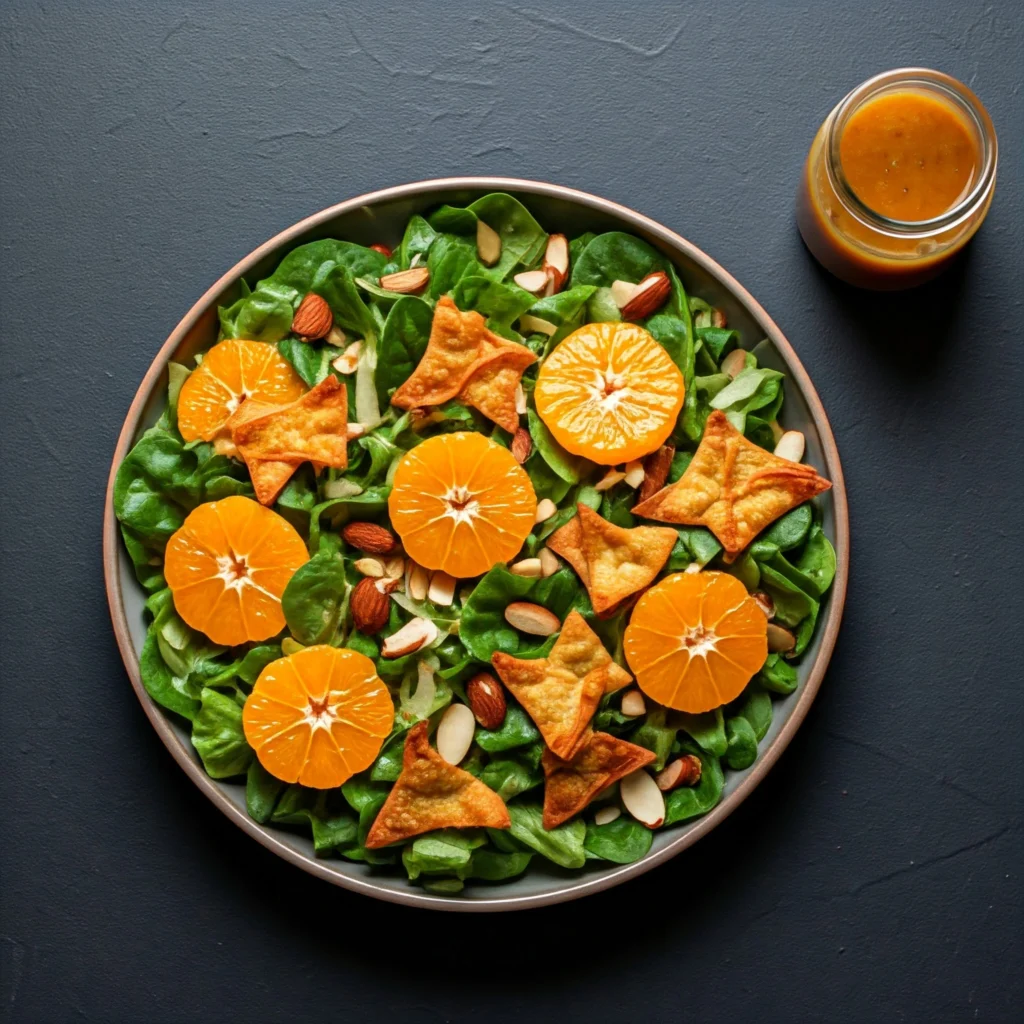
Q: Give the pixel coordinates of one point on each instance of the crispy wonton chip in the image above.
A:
(613, 561)
(268, 475)
(431, 794)
(314, 428)
(465, 360)
(601, 760)
(733, 487)
(561, 692)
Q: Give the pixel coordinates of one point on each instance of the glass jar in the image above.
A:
(863, 246)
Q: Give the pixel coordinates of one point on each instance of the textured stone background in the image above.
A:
(148, 146)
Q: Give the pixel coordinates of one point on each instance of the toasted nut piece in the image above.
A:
(455, 733)
(370, 607)
(656, 467)
(546, 508)
(610, 479)
(633, 473)
(417, 580)
(522, 445)
(527, 567)
(535, 325)
(693, 567)
(369, 567)
(335, 337)
(394, 567)
(406, 282)
(764, 602)
(520, 400)
(633, 704)
(780, 639)
(777, 431)
(607, 815)
(532, 618)
(684, 771)
(488, 244)
(352, 431)
(442, 589)
(791, 446)
(413, 636)
(734, 362)
(549, 564)
(313, 319)
(291, 646)
(622, 292)
(556, 262)
(651, 294)
(349, 359)
(718, 318)
(487, 699)
(533, 281)
(369, 537)
(642, 798)
(382, 249)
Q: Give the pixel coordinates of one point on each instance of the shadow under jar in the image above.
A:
(898, 179)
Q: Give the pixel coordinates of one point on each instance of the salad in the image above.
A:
(485, 550)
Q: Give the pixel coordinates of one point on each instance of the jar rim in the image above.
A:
(951, 90)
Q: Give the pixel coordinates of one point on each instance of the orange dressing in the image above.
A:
(908, 156)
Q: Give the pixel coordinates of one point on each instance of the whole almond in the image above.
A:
(413, 636)
(780, 639)
(406, 282)
(369, 537)
(313, 319)
(532, 618)
(684, 771)
(487, 699)
(382, 249)
(370, 607)
(521, 446)
(651, 294)
(656, 467)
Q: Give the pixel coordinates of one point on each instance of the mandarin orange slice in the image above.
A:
(227, 567)
(231, 372)
(318, 716)
(695, 640)
(609, 392)
(461, 503)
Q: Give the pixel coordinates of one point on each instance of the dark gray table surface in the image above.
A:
(146, 147)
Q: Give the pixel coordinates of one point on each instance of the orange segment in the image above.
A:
(609, 392)
(230, 373)
(227, 568)
(318, 716)
(461, 503)
(695, 640)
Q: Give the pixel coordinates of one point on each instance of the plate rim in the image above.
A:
(160, 720)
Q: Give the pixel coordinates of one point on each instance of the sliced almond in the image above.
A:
(520, 400)
(684, 771)
(780, 639)
(791, 446)
(642, 798)
(455, 733)
(536, 325)
(349, 359)
(488, 244)
(610, 479)
(527, 567)
(352, 431)
(417, 580)
(442, 589)
(718, 318)
(549, 563)
(546, 508)
(394, 567)
(764, 602)
(533, 281)
(556, 262)
(406, 282)
(633, 704)
(413, 636)
(532, 618)
(734, 362)
(622, 292)
(651, 294)
(693, 567)
(335, 337)
(633, 473)
(607, 815)
(372, 567)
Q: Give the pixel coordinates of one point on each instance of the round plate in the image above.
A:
(381, 217)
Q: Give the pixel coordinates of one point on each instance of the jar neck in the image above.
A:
(947, 89)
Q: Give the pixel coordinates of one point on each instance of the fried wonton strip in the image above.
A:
(431, 794)
(492, 388)
(314, 428)
(268, 475)
(733, 487)
(562, 691)
(614, 562)
(601, 760)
